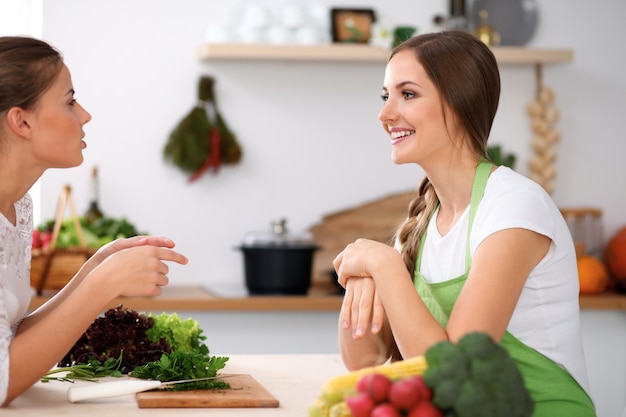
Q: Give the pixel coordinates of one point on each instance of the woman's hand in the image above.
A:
(356, 268)
(120, 244)
(361, 308)
(135, 266)
(139, 270)
(363, 258)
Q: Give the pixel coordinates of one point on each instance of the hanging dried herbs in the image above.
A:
(202, 141)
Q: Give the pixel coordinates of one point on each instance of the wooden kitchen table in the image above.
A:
(295, 380)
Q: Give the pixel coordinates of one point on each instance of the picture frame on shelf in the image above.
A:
(352, 25)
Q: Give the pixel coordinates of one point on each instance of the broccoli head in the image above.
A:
(476, 377)
(448, 368)
(473, 401)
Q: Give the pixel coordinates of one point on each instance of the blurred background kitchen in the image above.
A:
(311, 141)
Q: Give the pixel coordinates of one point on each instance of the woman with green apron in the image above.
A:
(553, 390)
(485, 247)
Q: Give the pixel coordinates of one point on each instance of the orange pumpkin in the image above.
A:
(592, 274)
(615, 255)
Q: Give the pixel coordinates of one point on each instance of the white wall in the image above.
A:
(312, 144)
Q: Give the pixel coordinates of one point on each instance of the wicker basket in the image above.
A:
(52, 268)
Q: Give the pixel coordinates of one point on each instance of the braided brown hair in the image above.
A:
(465, 72)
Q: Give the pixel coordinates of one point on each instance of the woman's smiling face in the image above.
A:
(57, 125)
(412, 113)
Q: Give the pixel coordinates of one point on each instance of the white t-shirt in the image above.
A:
(15, 291)
(547, 315)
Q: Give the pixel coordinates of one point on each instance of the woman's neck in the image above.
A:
(453, 185)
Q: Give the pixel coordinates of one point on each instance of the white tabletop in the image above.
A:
(295, 380)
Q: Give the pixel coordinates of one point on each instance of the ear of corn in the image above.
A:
(340, 409)
(319, 408)
(337, 389)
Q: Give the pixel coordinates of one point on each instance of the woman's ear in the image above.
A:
(17, 122)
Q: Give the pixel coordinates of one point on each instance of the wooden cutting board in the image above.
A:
(244, 392)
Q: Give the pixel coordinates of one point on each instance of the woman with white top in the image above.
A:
(41, 127)
(483, 249)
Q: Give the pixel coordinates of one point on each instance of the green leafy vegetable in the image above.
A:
(123, 341)
(96, 233)
(180, 335)
(185, 365)
(120, 332)
(90, 371)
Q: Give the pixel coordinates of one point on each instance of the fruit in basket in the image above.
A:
(37, 243)
(592, 274)
(615, 255)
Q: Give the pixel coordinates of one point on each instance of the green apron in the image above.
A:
(553, 390)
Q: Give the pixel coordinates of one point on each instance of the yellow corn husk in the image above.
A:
(340, 409)
(337, 389)
(319, 408)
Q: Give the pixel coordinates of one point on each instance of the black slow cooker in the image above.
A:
(277, 262)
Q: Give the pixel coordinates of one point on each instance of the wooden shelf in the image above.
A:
(358, 53)
(194, 298)
(198, 298)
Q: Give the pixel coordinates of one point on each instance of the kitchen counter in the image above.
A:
(295, 380)
(237, 324)
(319, 298)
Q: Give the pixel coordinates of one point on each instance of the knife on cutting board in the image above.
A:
(124, 387)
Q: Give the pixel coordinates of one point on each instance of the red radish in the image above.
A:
(362, 383)
(426, 392)
(376, 385)
(45, 238)
(385, 410)
(405, 394)
(425, 409)
(36, 239)
(360, 404)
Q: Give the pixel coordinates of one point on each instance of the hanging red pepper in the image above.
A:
(202, 141)
(214, 159)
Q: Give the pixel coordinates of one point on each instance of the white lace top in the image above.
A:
(15, 291)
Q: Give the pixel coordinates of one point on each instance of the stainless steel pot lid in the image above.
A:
(277, 235)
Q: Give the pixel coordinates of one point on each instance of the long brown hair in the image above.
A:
(28, 67)
(465, 72)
